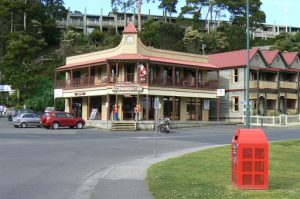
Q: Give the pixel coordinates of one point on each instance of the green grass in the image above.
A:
(207, 174)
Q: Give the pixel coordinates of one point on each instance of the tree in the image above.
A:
(287, 42)
(149, 34)
(235, 36)
(169, 6)
(193, 40)
(216, 42)
(237, 9)
(17, 65)
(195, 8)
(96, 37)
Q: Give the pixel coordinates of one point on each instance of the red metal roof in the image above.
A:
(182, 62)
(232, 58)
(130, 28)
(289, 57)
(270, 55)
(84, 63)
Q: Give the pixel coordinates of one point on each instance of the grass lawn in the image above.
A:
(207, 174)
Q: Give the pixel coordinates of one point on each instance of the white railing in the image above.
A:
(281, 120)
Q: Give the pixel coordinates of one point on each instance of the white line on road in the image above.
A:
(16, 142)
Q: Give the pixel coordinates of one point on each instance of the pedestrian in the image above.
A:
(5, 111)
(137, 110)
(1, 110)
(116, 110)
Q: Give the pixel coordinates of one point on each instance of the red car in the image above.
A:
(57, 119)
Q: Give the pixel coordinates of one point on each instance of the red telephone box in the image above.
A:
(249, 168)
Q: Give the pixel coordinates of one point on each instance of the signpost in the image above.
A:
(157, 106)
(94, 114)
(106, 105)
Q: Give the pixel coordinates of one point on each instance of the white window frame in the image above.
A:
(234, 104)
(234, 75)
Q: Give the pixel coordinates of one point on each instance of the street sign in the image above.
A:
(245, 102)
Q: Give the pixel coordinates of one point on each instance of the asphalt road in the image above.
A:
(42, 163)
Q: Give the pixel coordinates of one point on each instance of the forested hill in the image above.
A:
(31, 45)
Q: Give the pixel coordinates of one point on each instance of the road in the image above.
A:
(40, 163)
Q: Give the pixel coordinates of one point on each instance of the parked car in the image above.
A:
(58, 119)
(13, 112)
(26, 120)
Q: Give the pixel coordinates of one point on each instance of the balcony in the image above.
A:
(183, 83)
(267, 84)
(263, 84)
(129, 77)
(286, 84)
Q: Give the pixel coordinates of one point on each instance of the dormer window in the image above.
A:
(297, 59)
(277, 58)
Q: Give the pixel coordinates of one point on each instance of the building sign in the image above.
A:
(79, 93)
(5, 88)
(58, 93)
(220, 92)
(127, 88)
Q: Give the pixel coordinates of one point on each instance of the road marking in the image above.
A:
(16, 142)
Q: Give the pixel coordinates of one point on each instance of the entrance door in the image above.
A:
(128, 108)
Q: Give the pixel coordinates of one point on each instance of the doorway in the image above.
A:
(128, 107)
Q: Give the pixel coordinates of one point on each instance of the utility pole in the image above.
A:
(25, 17)
(247, 72)
(139, 15)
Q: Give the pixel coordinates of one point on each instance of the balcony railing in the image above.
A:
(268, 84)
(183, 83)
(286, 84)
(129, 77)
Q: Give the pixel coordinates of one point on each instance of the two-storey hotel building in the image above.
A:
(132, 74)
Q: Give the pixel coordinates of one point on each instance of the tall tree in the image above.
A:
(196, 7)
(169, 6)
(237, 9)
(235, 36)
(193, 40)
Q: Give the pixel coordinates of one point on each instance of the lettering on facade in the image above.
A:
(127, 88)
(79, 93)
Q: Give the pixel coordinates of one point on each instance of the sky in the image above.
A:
(279, 12)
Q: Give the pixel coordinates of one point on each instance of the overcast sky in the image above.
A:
(277, 11)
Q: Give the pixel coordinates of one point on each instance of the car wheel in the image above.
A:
(23, 125)
(55, 125)
(79, 125)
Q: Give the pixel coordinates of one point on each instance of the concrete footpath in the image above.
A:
(126, 180)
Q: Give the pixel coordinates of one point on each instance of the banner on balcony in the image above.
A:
(143, 72)
(127, 88)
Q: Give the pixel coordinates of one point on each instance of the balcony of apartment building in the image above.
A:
(263, 80)
(158, 76)
(288, 80)
(179, 77)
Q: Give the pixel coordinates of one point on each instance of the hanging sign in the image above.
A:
(127, 88)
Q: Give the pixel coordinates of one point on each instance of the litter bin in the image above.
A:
(249, 159)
